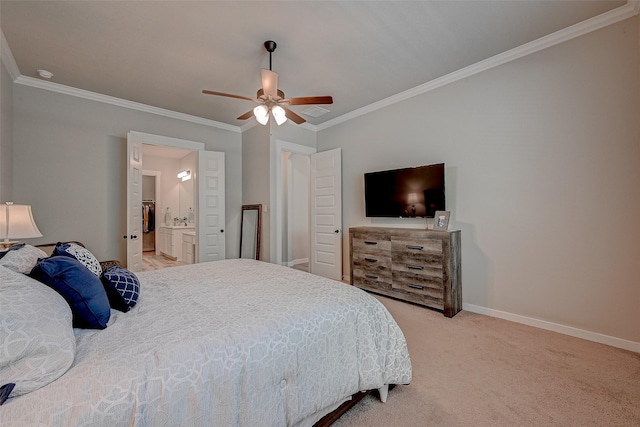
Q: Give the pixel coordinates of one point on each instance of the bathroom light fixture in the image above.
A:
(185, 175)
(16, 222)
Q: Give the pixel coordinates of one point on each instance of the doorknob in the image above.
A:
(133, 236)
(222, 231)
(337, 231)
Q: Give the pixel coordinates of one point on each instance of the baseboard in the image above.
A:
(296, 262)
(555, 327)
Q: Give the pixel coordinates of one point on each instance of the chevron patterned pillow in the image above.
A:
(122, 286)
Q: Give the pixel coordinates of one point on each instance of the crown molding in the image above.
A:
(618, 14)
(7, 58)
(85, 94)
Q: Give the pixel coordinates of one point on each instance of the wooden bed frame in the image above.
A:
(331, 417)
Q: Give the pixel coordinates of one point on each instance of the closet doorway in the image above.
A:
(324, 214)
(296, 241)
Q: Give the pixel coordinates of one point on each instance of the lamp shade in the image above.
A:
(262, 114)
(16, 222)
(279, 114)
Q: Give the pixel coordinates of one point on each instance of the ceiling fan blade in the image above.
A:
(306, 100)
(269, 83)
(293, 116)
(246, 115)
(229, 95)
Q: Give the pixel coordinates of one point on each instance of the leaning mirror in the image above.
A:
(250, 231)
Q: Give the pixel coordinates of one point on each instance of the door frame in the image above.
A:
(164, 141)
(276, 196)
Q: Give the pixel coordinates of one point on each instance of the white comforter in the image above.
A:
(227, 343)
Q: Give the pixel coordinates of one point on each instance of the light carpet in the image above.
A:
(476, 370)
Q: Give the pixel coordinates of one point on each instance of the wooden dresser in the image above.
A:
(415, 265)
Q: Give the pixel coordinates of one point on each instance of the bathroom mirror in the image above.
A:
(250, 231)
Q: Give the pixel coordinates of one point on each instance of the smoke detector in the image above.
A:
(45, 74)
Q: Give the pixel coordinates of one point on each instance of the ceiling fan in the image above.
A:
(272, 99)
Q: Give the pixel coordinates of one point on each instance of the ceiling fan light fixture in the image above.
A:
(269, 97)
(279, 114)
(262, 114)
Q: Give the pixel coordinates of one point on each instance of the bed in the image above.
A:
(229, 343)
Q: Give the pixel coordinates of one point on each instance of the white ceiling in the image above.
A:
(163, 54)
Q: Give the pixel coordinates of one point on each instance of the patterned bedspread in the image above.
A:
(227, 343)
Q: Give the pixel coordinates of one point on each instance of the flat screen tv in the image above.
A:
(406, 193)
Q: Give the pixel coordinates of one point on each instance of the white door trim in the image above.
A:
(275, 197)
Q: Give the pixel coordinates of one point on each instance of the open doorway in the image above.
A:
(296, 239)
(280, 184)
(207, 176)
(325, 207)
(166, 201)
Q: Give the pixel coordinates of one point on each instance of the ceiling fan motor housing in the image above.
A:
(270, 45)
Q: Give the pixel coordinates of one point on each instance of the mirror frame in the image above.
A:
(258, 208)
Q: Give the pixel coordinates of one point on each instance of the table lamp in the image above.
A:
(16, 222)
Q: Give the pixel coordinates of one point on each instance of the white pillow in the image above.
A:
(81, 254)
(37, 344)
(22, 260)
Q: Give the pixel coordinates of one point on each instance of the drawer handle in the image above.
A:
(412, 286)
(368, 242)
(418, 248)
(371, 259)
(371, 276)
(415, 267)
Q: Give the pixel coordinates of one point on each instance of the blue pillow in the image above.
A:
(82, 290)
(81, 254)
(122, 286)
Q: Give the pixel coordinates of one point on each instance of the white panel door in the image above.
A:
(326, 214)
(134, 203)
(211, 218)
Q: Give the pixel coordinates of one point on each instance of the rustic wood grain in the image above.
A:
(414, 265)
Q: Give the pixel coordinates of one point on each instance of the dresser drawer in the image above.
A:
(420, 284)
(371, 281)
(371, 244)
(423, 252)
(422, 290)
(379, 264)
(417, 268)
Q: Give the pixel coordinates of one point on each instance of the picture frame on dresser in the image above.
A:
(441, 220)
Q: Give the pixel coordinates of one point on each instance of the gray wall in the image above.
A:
(255, 178)
(6, 136)
(542, 173)
(69, 163)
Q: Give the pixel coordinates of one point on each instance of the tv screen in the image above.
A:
(407, 193)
